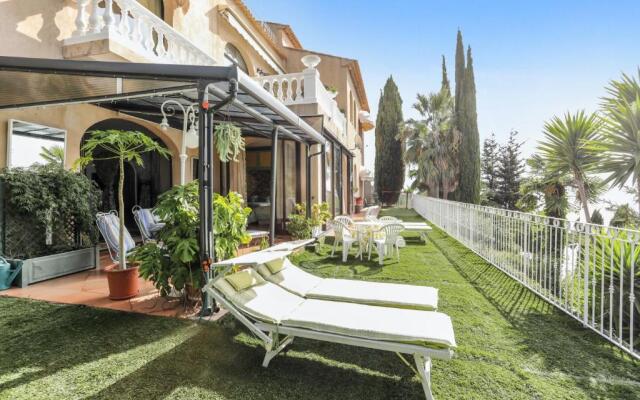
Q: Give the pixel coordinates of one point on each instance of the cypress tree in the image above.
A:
(458, 103)
(469, 187)
(446, 86)
(389, 163)
(459, 75)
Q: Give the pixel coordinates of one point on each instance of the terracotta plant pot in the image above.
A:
(123, 283)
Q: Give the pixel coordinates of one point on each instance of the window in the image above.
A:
(155, 6)
(232, 54)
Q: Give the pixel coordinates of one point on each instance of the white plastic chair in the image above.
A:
(343, 235)
(389, 220)
(345, 219)
(385, 240)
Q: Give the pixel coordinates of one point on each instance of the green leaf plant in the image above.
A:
(122, 146)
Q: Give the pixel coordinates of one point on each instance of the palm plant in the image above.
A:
(541, 187)
(566, 149)
(432, 144)
(620, 145)
(122, 146)
(53, 154)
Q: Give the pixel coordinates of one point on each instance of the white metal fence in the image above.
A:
(589, 271)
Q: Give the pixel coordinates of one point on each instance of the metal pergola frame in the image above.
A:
(222, 93)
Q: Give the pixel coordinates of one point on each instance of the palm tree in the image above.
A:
(53, 154)
(541, 187)
(620, 145)
(432, 143)
(566, 149)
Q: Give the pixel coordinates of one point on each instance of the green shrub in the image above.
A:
(48, 210)
(301, 227)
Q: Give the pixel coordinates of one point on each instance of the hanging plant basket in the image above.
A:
(229, 141)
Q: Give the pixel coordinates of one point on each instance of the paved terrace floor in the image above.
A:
(90, 288)
(512, 345)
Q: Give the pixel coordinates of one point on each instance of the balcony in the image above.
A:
(123, 29)
(301, 88)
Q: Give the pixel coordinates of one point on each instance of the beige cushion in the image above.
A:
(276, 265)
(244, 279)
(291, 278)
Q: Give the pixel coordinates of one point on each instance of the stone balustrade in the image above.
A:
(135, 28)
(306, 88)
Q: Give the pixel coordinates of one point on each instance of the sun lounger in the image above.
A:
(277, 316)
(304, 284)
(421, 227)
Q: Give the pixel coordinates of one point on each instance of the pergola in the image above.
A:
(222, 93)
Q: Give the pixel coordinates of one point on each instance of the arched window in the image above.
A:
(232, 54)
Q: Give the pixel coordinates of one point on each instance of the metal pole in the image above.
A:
(204, 184)
(308, 188)
(274, 180)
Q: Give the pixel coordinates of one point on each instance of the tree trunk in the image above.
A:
(582, 191)
(121, 251)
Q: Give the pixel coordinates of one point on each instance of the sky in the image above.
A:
(532, 60)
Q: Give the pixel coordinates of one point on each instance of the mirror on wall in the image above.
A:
(30, 143)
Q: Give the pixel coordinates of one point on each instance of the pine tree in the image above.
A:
(469, 187)
(389, 164)
(510, 169)
(489, 166)
(446, 86)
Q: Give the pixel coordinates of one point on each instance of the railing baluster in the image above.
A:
(572, 265)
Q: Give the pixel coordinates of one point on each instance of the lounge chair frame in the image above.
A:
(275, 338)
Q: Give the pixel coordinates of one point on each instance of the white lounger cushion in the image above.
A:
(377, 293)
(265, 302)
(307, 285)
(270, 303)
(372, 322)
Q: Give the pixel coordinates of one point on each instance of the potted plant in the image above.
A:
(229, 141)
(174, 266)
(121, 146)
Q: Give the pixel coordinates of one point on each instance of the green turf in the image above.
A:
(512, 345)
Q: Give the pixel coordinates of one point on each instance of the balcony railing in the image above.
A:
(306, 88)
(591, 272)
(139, 30)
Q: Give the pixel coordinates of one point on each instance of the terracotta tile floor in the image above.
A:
(90, 288)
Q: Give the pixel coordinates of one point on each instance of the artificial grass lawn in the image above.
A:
(511, 345)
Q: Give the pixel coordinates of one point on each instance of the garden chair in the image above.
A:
(277, 316)
(389, 219)
(385, 240)
(345, 219)
(148, 223)
(342, 235)
(109, 227)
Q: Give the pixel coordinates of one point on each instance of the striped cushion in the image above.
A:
(109, 226)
